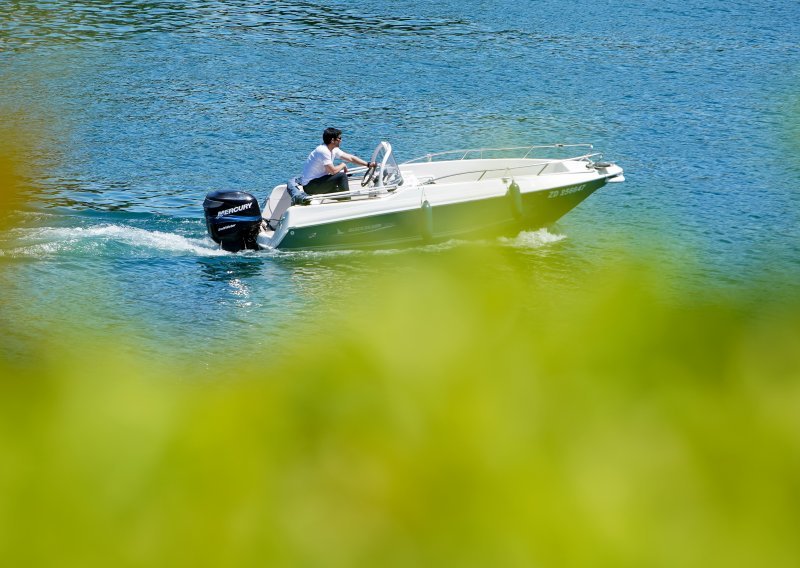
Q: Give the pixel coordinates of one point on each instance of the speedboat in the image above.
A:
(459, 194)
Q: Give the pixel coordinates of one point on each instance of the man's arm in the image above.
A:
(353, 159)
(331, 169)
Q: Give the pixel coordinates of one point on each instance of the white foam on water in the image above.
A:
(53, 240)
(533, 239)
(48, 241)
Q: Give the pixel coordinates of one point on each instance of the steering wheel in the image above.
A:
(368, 175)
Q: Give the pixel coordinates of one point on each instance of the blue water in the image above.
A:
(135, 109)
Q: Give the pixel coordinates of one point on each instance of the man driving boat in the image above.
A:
(319, 173)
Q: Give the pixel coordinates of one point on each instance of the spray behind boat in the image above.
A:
(233, 219)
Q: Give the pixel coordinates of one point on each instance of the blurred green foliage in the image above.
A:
(462, 415)
(452, 418)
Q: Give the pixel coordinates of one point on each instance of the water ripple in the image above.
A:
(41, 23)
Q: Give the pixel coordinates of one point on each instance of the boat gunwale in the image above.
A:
(388, 191)
(543, 162)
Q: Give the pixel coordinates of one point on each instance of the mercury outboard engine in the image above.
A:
(233, 219)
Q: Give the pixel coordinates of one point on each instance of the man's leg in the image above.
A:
(341, 181)
(330, 183)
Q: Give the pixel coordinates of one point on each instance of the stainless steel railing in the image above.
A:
(471, 153)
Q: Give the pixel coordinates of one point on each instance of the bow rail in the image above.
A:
(470, 153)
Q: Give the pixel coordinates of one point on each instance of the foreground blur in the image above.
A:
(445, 422)
(452, 417)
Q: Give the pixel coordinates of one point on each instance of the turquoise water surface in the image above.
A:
(136, 109)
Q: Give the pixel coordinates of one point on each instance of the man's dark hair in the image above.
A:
(330, 134)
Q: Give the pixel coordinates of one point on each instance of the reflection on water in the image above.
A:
(230, 267)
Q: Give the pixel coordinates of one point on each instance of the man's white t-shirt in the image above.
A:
(316, 162)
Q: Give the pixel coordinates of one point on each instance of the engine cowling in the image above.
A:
(233, 219)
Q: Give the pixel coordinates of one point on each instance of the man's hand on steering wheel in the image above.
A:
(368, 175)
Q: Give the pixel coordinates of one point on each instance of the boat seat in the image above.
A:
(276, 205)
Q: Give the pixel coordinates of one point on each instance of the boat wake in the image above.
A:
(100, 240)
(129, 241)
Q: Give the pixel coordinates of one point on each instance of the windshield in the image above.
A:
(388, 170)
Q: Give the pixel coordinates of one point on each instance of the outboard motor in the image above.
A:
(233, 219)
